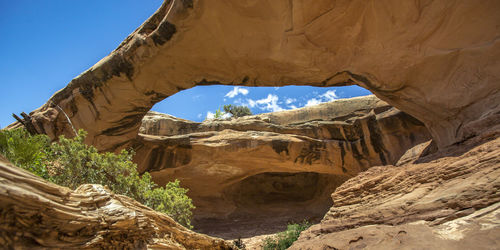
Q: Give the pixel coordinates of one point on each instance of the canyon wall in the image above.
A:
(435, 60)
(271, 168)
(447, 200)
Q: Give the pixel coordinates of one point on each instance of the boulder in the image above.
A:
(37, 214)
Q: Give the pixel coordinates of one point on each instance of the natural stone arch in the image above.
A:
(424, 57)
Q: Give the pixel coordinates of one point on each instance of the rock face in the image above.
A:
(271, 168)
(38, 214)
(450, 200)
(435, 60)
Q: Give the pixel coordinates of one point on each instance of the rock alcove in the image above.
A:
(257, 173)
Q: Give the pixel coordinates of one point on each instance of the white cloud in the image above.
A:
(292, 107)
(312, 102)
(199, 115)
(270, 103)
(276, 88)
(290, 100)
(236, 91)
(210, 115)
(330, 95)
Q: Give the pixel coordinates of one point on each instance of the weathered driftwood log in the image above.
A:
(26, 121)
(36, 213)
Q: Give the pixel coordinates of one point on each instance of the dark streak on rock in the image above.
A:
(164, 157)
(156, 96)
(280, 146)
(206, 82)
(245, 79)
(124, 125)
(164, 33)
(342, 153)
(310, 154)
(187, 4)
(91, 80)
(364, 147)
(355, 152)
(152, 23)
(335, 133)
(119, 145)
(155, 159)
(376, 140)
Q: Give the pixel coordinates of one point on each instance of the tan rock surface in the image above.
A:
(251, 175)
(446, 201)
(435, 60)
(37, 214)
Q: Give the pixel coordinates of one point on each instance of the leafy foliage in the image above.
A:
(71, 163)
(237, 111)
(285, 239)
(26, 151)
(218, 114)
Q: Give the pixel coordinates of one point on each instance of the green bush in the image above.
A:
(218, 114)
(285, 239)
(237, 111)
(26, 151)
(71, 163)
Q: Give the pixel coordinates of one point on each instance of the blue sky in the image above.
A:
(47, 43)
(201, 101)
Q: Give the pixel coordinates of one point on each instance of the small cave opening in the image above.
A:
(265, 203)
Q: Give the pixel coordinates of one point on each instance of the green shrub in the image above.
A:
(26, 151)
(218, 114)
(285, 239)
(71, 163)
(237, 111)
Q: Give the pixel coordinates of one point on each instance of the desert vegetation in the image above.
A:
(285, 239)
(237, 111)
(231, 111)
(71, 163)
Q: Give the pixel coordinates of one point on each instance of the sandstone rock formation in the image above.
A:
(272, 168)
(435, 60)
(37, 214)
(449, 200)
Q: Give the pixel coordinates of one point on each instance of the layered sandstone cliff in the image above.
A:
(37, 214)
(272, 168)
(448, 200)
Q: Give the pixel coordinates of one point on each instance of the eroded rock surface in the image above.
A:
(37, 214)
(435, 60)
(450, 200)
(251, 175)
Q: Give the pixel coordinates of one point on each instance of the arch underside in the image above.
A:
(420, 58)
